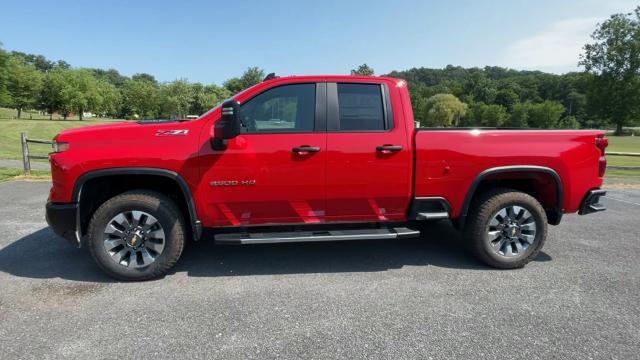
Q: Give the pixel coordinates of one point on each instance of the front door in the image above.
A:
(368, 164)
(274, 171)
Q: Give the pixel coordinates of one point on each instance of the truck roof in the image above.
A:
(332, 78)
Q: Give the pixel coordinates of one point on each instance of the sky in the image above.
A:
(211, 41)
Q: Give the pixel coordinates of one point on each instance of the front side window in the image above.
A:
(289, 108)
(360, 107)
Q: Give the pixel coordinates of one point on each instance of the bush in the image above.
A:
(519, 116)
(486, 115)
(443, 110)
(569, 122)
(545, 115)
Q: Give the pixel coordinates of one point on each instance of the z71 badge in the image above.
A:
(172, 132)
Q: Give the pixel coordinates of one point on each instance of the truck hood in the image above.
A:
(117, 129)
(125, 125)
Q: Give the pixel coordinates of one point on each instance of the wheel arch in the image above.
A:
(168, 177)
(496, 176)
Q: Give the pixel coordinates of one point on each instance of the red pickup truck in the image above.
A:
(313, 158)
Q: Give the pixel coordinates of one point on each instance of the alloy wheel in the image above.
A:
(511, 231)
(134, 239)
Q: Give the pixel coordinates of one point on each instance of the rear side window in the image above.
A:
(289, 108)
(360, 107)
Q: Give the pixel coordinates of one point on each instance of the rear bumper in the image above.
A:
(63, 219)
(591, 202)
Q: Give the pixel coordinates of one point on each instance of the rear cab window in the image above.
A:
(358, 107)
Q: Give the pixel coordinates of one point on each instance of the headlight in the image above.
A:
(59, 146)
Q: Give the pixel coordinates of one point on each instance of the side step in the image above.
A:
(432, 215)
(313, 236)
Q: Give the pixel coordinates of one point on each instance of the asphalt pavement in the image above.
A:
(416, 298)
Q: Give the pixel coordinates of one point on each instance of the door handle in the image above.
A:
(305, 149)
(388, 148)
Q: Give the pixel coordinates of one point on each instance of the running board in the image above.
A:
(432, 215)
(313, 236)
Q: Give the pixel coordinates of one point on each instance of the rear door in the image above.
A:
(368, 161)
(274, 171)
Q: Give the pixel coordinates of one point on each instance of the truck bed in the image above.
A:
(449, 160)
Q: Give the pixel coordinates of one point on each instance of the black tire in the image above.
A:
(483, 211)
(167, 214)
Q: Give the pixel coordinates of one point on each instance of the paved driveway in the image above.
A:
(376, 299)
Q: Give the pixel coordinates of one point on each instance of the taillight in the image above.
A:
(602, 143)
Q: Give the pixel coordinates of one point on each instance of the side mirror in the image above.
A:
(228, 127)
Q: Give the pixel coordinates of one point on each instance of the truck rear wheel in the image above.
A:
(137, 235)
(507, 228)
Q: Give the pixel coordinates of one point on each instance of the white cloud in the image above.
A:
(555, 49)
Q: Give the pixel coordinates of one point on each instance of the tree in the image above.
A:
(5, 98)
(569, 122)
(480, 88)
(614, 60)
(234, 85)
(110, 99)
(140, 98)
(175, 99)
(204, 98)
(216, 95)
(362, 70)
(490, 115)
(145, 77)
(546, 114)
(519, 116)
(507, 98)
(38, 61)
(111, 76)
(493, 115)
(23, 84)
(81, 92)
(51, 98)
(62, 64)
(443, 110)
(250, 77)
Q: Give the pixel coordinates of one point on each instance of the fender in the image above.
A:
(196, 225)
(508, 169)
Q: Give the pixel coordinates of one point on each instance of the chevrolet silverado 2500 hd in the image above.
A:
(313, 158)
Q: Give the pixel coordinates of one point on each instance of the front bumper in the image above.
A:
(591, 202)
(63, 219)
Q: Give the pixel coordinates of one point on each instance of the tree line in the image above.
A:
(606, 93)
(29, 81)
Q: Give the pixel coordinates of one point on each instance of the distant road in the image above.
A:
(18, 164)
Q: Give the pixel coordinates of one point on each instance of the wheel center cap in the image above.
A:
(135, 239)
(512, 231)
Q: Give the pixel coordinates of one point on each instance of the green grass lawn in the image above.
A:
(10, 130)
(623, 144)
(8, 174)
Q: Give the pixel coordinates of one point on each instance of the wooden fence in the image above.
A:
(27, 156)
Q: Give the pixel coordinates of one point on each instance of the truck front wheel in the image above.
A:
(507, 228)
(137, 235)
